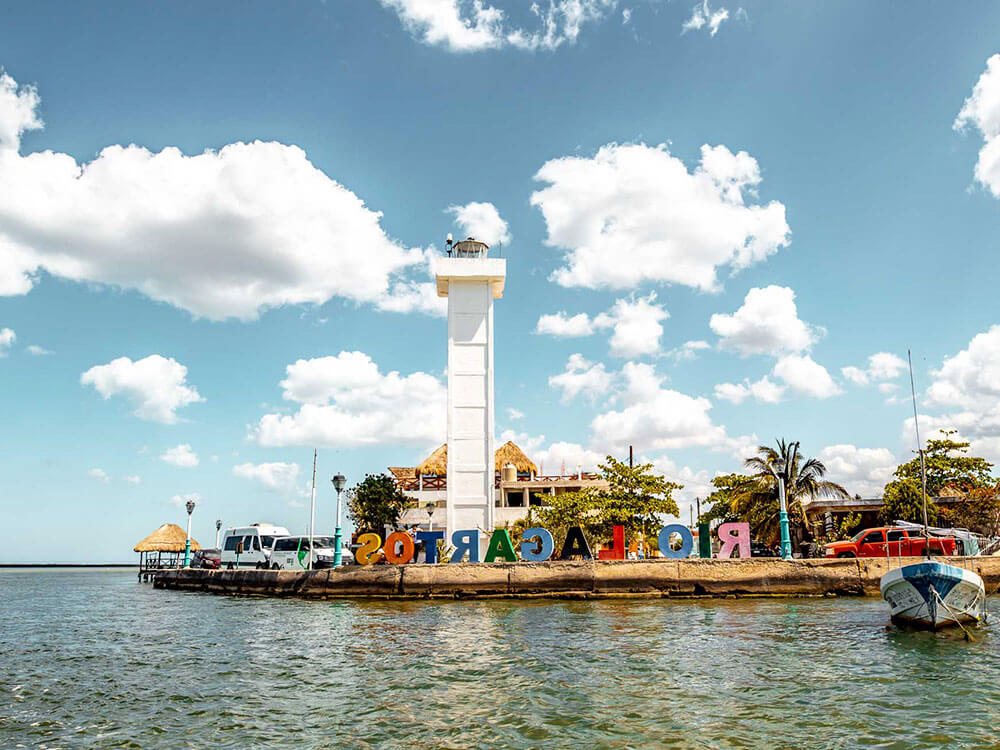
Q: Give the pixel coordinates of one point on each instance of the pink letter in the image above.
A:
(732, 535)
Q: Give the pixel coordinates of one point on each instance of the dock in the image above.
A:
(585, 579)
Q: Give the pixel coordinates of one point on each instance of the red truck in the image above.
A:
(891, 541)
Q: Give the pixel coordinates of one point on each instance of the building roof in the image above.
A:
(436, 464)
(168, 538)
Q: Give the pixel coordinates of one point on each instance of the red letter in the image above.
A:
(617, 551)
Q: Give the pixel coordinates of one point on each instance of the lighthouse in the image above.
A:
(471, 280)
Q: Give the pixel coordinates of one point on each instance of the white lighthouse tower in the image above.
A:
(471, 281)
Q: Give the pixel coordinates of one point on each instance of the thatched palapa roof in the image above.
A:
(436, 464)
(168, 538)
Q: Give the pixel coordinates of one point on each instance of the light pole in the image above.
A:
(187, 542)
(338, 484)
(786, 542)
(218, 530)
(430, 516)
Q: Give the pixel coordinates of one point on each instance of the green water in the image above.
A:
(93, 659)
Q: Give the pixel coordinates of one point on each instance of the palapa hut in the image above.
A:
(436, 464)
(164, 548)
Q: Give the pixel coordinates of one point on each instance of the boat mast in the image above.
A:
(920, 450)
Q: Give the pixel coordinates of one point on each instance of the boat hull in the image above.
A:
(933, 594)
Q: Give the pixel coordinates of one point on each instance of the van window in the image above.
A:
(231, 543)
(256, 543)
(267, 541)
(285, 544)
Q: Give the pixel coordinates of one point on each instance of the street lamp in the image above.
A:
(339, 481)
(786, 542)
(187, 542)
(218, 530)
(430, 516)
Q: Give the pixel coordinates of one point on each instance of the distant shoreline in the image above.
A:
(69, 565)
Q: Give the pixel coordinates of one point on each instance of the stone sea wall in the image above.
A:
(574, 579)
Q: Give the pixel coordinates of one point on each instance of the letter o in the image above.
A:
(389, 548)
(687, 541)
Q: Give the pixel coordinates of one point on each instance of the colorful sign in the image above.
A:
(537, 545)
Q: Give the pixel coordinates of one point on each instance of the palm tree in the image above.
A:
(758, 504)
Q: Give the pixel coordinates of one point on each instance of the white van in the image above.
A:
(292, 553)
(250, 546)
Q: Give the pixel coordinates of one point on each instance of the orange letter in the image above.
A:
(367, 553)
(398, 537)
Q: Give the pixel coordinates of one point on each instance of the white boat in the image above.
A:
(933, 594)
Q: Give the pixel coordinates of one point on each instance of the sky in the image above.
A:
(724, 224)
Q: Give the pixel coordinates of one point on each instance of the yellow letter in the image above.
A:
(368, 551)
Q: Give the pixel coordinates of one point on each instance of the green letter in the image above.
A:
(500, 544)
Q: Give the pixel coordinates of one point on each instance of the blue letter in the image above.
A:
(687, 541)
(543, 547)
(430, 538)
(464, 541)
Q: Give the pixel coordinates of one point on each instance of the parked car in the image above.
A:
(759, 549)
(890, 541)
(292, 553)
(207, 558)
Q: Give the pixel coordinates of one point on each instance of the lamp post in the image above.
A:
(338, 484)
(430, 516)
(218, 530)
(786, 542)
(187, 542)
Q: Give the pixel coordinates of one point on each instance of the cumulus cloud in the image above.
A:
(482, 221)
(688, 350)
(346, 401)
(766, 323)
(37, 351)
(475, 25)
(634, 213)
(763, 390)
(804, 375)
(181, 500)
(7, 339)
(703, 17)
(133, 479)
(514, 414)
(982, 111)
(634, 324)
(582, 377)
(881, 366)
(861, 471)
(100, 475)
(156, 386)
(221, 234)
(277, 476)
(563, 458)
(180, 455)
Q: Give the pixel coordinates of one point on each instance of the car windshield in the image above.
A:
(857, 537)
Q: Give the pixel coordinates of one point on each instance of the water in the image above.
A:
(93, 659)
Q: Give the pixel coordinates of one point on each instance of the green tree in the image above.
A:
(978, 511)
(635, 498)
(803, 477)
(376, 502)
(947, 463)
(721, 500)
(902, 500)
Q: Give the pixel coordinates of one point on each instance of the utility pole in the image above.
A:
(630, 456)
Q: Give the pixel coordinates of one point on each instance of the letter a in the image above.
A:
(575, 544)
(500, 544)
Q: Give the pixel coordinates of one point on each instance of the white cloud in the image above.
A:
(181, 500)
(861, 471)
(982, 110)
(582, 377)
(763, 390)
(634, 324)
(515, 414)
(180, 455)
(881, 366)
(767, 323)
(38, 351)
(688, 350)
(481, 221)
(696, 483)
(633, 213)
(655, 417)
(530, 444)
(703, 16)
(345, 401)
(133, 479)
(563, 458)
(100, 475)
(803, 375)
(626, 16)
(156, 386)
(7, 337)
(474, 25)
(277, 476)
(221, 234)
(565, 326)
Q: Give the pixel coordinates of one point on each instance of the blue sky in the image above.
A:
(703, 230)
